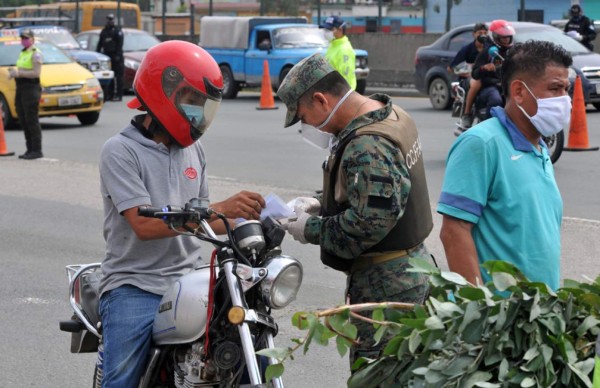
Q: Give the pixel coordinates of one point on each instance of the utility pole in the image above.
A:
(448, 13)
(318, 12)
(522, 13)
(379, 22)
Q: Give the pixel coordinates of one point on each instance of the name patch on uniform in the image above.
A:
(380, 192)
(414, 154)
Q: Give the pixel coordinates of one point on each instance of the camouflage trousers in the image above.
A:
(385, 282)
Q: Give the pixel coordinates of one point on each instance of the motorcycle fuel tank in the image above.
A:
(181, 315)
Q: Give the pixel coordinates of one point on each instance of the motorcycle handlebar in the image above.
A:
(150, 211)
(195, 210)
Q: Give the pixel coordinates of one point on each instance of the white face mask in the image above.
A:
(314, 135)
(329, 35)
(553, 114)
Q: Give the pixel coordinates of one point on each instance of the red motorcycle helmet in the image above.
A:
(501, 29)
(179, 85)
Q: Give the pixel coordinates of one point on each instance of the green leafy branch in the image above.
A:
(509, 332)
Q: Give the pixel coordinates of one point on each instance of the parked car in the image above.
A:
(97, 63)
(432, 78)
(67, 87)
(135, 45)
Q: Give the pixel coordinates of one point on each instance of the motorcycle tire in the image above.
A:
(97, 382)
(555, 145)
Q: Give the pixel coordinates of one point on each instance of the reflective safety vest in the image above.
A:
(25, 60)
(341, 56)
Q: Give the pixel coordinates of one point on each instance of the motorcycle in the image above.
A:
(555, 143)
(212, 321)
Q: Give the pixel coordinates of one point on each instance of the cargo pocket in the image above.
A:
(398, 285)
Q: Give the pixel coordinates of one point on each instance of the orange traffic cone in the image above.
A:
(266, 94)
(3, 150)
(578, 134)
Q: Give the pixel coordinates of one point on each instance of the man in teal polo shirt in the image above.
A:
(499, 198)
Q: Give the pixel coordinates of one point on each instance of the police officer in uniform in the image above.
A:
(340, 53)
(580, 27)
(27, 98)
(111, 44)
(374, 212)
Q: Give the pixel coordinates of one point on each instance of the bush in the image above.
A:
(509, 332)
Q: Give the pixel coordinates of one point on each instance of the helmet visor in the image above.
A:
(198, 108)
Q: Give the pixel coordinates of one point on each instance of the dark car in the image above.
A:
(432, 78)
(135, 45)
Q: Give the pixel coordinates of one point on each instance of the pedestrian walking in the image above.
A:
(111, 44)
(499, 199)
(28, 93)
(374, 212)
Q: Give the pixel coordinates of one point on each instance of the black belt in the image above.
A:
(27, 80)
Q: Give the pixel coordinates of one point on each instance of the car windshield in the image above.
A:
(553, 35)
(9, 52)
(299, 37)
(60, 37)
(139, 42)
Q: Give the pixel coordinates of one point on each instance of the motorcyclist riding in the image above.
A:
(487, 65)
(467, 55)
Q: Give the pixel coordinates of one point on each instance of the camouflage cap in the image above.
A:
(301, 77)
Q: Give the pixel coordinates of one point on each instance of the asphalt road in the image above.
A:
(51, 216)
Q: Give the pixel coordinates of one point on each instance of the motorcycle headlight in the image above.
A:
(281, 285)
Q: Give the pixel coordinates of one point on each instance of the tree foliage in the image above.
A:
(508, 333)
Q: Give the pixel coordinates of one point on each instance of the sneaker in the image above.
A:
(22, 156)
(33, 155)
(466, 121)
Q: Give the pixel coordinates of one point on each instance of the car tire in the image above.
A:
(361, 86)
(230, 87)
(439, 94)
(88, 118)
(7, 120)
(282, 75)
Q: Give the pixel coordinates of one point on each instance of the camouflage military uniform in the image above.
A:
(375, 210)
(363, 224)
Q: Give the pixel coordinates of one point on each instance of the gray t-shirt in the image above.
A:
(135, 171)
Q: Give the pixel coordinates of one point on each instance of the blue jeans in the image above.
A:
(127, 316)
(491, 97)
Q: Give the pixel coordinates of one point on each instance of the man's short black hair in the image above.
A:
(479, 27)
(333, 83)
(530, 59)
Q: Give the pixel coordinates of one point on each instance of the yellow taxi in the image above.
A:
(67, 87)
